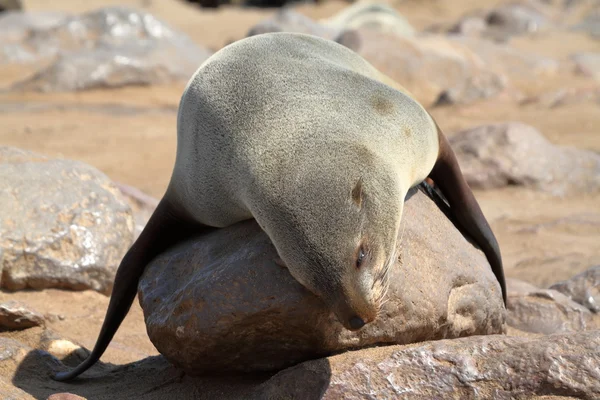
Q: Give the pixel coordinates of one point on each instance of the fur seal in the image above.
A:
(305, 136)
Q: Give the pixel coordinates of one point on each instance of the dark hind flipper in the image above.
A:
(165, 228)
(448, 178)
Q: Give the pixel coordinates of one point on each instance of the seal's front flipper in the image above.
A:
(448, 178)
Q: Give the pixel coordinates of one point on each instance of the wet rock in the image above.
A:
(211, 307)
(583, 288)
(63, 224)
(109, 47)
(587, 64)
(513, 153)
(480, 367)
(15, 315)
(546, 311)
(374, 16)
(430, 67)
(288, 20)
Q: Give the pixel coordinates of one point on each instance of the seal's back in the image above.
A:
(257, 103)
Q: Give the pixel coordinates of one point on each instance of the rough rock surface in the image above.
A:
(546, 311)
(12, 352)
(370, 15)
(481, 367)
(430, 67)
(212, 307)
(142, 205)
(109, 47)
(583, 288)
(513, 153)
(15, 315)
(63, 224)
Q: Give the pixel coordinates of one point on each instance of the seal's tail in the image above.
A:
(447, 176)
(164, 229)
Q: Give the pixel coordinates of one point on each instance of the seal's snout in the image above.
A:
(356, 323)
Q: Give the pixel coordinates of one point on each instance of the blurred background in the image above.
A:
(100, 81)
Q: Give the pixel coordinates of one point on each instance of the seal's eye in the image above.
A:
(360, 257)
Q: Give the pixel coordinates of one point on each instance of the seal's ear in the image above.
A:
(357, 193)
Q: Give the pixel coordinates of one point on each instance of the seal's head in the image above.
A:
(334, 222)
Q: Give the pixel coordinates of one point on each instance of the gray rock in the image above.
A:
(565, 96)
(590, 24)
(105, 68)
(515, 19)
(12, 352)
(288, 20)
(15, 26)
(63, 224)
(210, 307)
(546, 311)
(369, 15)
(431, 67)
(480, 367)
(513, 153)
(142, 205)
(112, 46)
(583, 288)
(504, 21)
(15, 315)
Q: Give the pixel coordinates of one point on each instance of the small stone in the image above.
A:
(498, 155)
(15, 315)
(583, 288)
(546, 311)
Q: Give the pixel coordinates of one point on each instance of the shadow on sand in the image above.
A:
(154, 378)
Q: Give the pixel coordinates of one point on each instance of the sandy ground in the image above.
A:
(129, 134)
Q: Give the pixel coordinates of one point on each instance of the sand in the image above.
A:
(129, 134)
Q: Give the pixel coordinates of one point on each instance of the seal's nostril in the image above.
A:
(356, 323)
